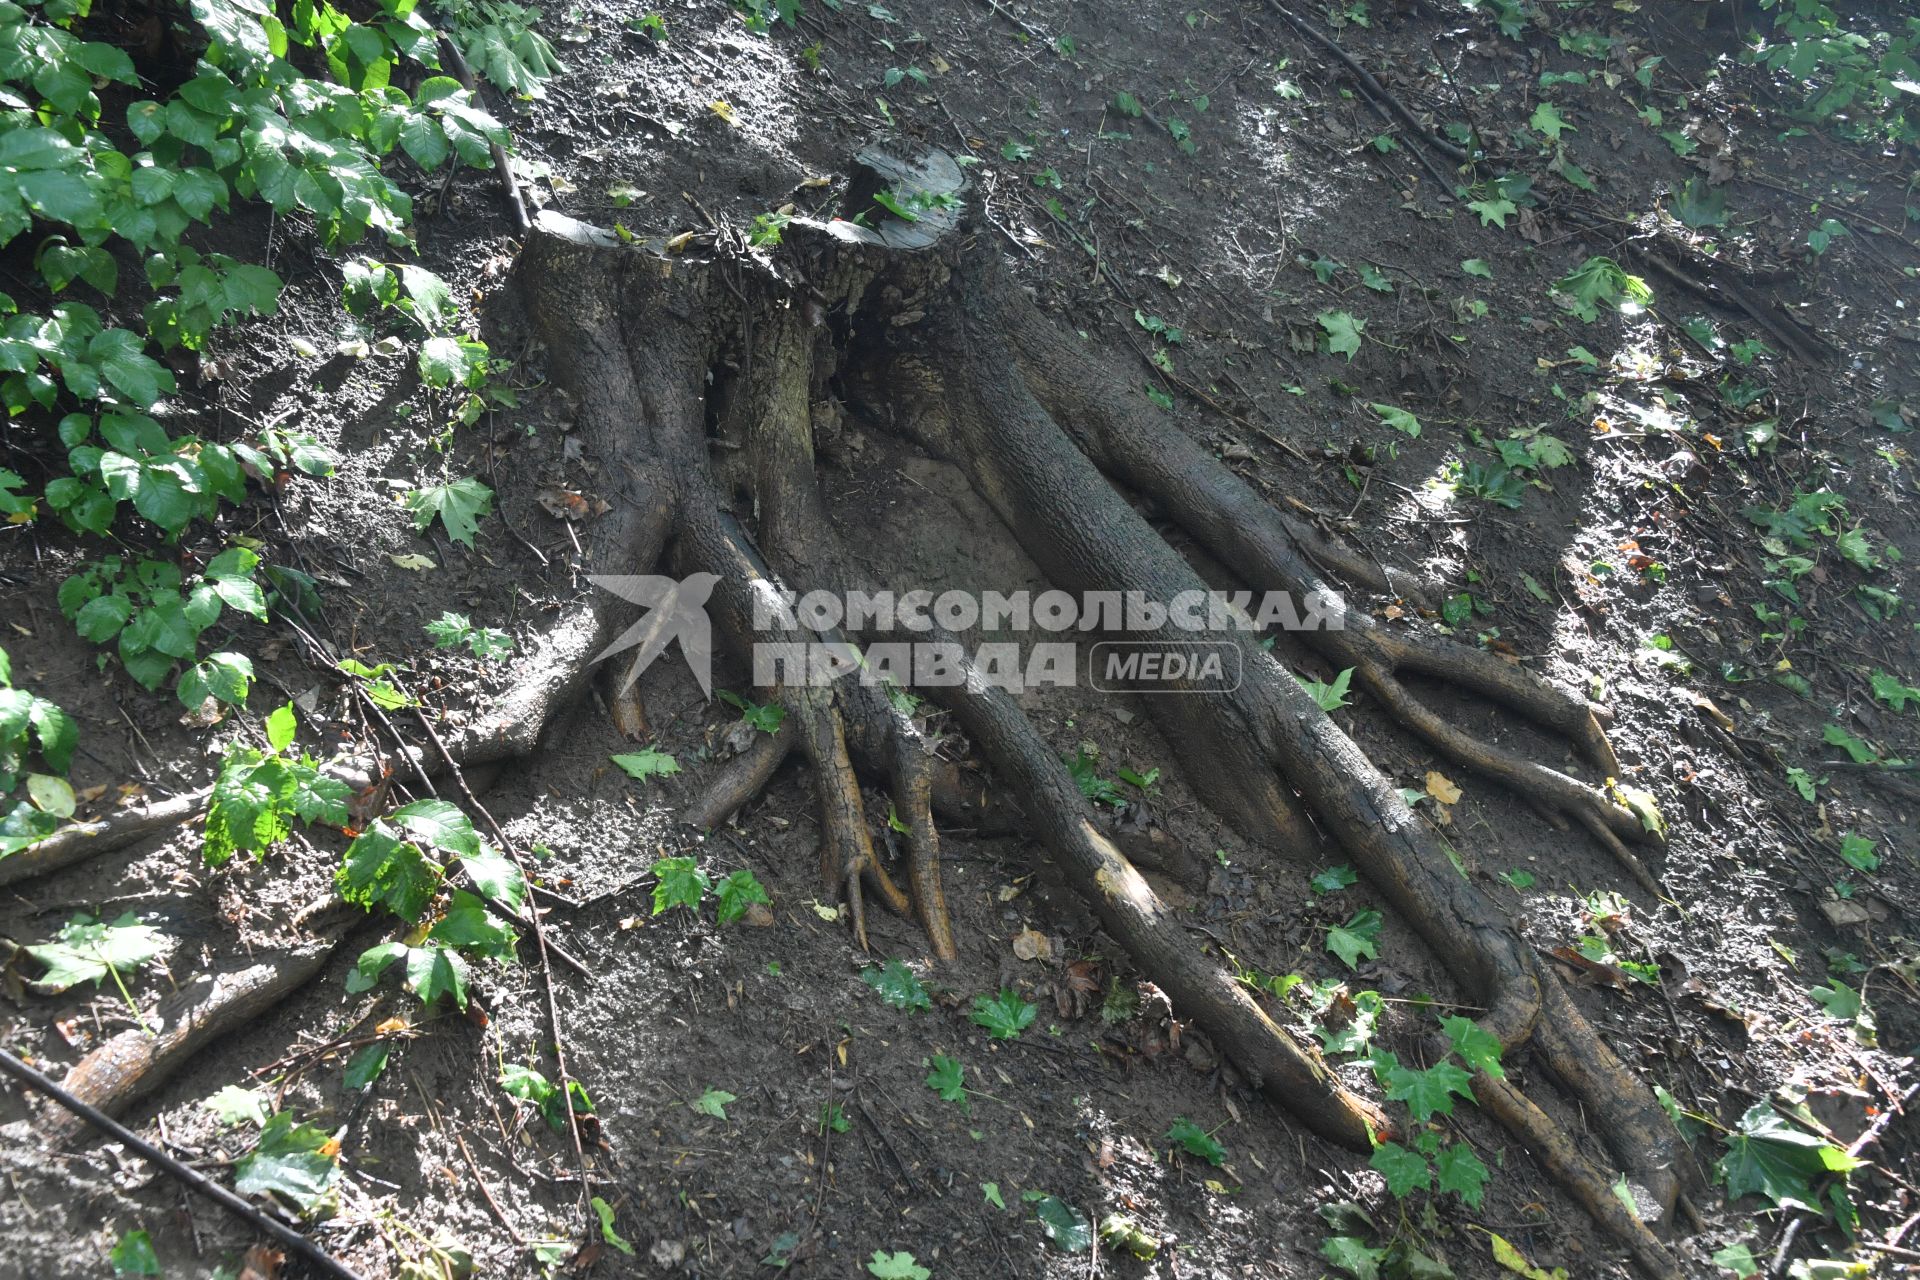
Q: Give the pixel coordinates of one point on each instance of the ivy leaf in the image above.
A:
(713, 1103)
(736, 892)
(1404, 1170)
(1343, 331)
(459, 506)
(1477, 1047)
(1197, 1141)
(947, 1078)
(86, 950)
(650, 763)
(1004, 1016)
(289, 1162)
(678, 882)
(1548, 120)
(1460, 1171)
(1357, 939)
(1893, 691)
(897, 985)
(1063, 1224)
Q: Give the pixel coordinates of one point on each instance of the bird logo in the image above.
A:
(677, 610)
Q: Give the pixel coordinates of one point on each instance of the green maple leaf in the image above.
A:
(1004, 1016)
(1429, 1092)
(713, 1103)
(899, 1265)
(678, 882)
(1858, 852)
(381, 869)
(1548, 120)
(947, 1079)
(1405, 1171)
(1477, 1047)
(1334, 879)
(641, 765)
(233, 1105)
(1353, 1255)
(1343, 331)
(1770, 1158)
(1197, 1141)
(86, 950)
(1494, 213)
(735, 892)
(459, 506)
(897, 985)
(1462, 1172)
(1893, 691)
(1358, 938)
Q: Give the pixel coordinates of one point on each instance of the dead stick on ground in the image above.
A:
(321, 1260)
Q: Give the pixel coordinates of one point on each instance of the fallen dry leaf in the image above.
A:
(1031, 944)
(1441, 788)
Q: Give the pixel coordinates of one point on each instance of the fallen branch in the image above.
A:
(322, 1261)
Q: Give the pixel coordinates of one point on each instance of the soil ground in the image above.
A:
(1631, 572)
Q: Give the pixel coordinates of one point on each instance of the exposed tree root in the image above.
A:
(135, 1062)
(929, 341)
(935, 345)
(82, 840)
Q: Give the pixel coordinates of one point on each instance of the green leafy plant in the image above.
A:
(87, 950)
(258, 794)
(1357, 939)
(28, 723)
(155, 619)
(678, 882)
(1196, 1141)
(133, 1255)
(459, 505)
(544, 1095)
(766, 718)
(898, 1265)
(456, 631)
(604, 1212)
(713, 1102)
(293, 1162)
(1600, 282)
(647, 763)
(1004, 1015)
(737, 891)
(897, 985)
(1766, 1156)
(1332, 695)
(947, 1078)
